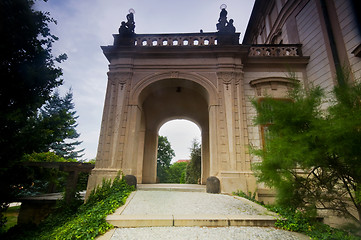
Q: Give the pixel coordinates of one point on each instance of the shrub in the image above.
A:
(294, 220)
(86, 222)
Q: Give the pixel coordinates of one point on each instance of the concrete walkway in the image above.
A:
(164, 211)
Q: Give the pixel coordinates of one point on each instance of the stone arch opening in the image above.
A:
(166, 100)
(180, 133)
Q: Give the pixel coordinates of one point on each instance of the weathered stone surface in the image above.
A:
(131, 180)
(35, 211)
(213, 185)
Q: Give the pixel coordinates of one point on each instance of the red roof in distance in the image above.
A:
(183, 160)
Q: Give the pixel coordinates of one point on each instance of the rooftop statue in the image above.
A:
(126, 29)
(223, 26)
(222, 21)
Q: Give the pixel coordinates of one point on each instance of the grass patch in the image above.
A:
(297, 221)
(71, 221)
(11, 215)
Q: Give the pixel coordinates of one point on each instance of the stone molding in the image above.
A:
(273, 82)
(211, 91)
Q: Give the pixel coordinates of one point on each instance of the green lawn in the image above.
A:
(12, 216)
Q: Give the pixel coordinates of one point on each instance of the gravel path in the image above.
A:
(188, 203)
(194, 203)
(224, 233)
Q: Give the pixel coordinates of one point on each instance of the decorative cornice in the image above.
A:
(267, 80)
(273, 82)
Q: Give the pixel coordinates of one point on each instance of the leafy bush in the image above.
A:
(295, 220)
(250, 196)
(86, 222)
(176, 172)
(311, 153)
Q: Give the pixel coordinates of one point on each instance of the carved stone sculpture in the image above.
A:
(223, 26)
(126, 29)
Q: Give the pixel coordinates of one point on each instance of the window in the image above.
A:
(264, 128)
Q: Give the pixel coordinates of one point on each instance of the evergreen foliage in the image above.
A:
(164, 156)
(33, 119)
(29, 74)
(57, 122)
(312, 153)
(193, 170)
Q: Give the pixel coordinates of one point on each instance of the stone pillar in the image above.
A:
(70, 188)
(235, 170)
(150, 156)
(205, 156)
(109, 160)
(130, 155)
(141, 142)
(213, 141)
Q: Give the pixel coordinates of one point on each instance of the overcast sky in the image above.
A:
(85, 25)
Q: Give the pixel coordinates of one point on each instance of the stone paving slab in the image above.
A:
(172, 187)
(190, 203)
(187, 209)
(200, 233)
(180, 215)
(203, 220)
(141, 220)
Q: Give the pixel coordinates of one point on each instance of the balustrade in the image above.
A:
(202, 39)
(281, 50)
(208, 39)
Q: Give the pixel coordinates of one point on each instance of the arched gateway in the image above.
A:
(208, 78)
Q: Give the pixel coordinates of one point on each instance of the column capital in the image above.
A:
(119, 77)
(228, 77)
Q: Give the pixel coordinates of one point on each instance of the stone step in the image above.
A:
(131, 221)
(172, 187)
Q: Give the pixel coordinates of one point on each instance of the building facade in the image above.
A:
(211, 79)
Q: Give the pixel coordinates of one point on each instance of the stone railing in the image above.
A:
(278, 50)
(189, 39)
(178, 39)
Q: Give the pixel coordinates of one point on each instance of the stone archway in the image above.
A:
(165, 100)
(149, 85)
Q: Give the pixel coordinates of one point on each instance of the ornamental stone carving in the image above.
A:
(174, 74)
(119, 77)
(228, 77)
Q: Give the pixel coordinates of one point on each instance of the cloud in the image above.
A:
(180, 134)
(85, 25)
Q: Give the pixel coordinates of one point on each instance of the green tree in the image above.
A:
(57, 121)
(176, 172)
(312, 154)
(164, 156)
(193, 170)
(29, 75)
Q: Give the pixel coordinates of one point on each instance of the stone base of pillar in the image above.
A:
(232, 181)
(213, 185)
(131, 180)
(96, 178)
(266, 195)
